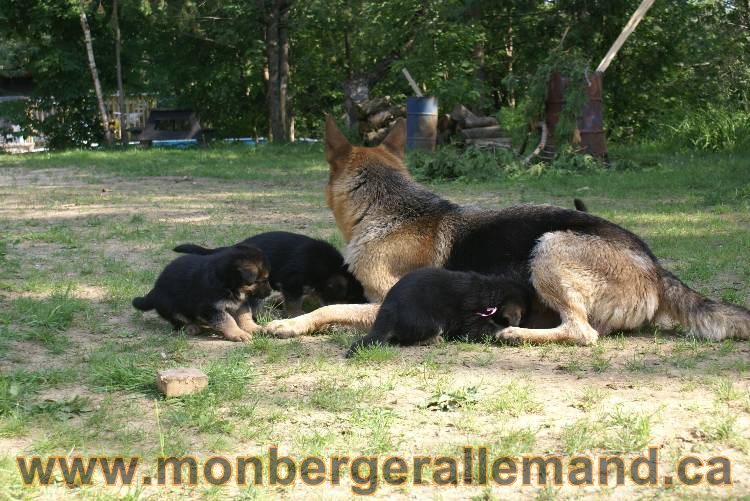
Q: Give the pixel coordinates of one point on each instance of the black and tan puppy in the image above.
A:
(216, 291)
(300, 265)
(432, 302)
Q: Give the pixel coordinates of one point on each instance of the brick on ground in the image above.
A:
(181, 381)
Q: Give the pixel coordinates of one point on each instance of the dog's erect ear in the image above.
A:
(395, 141)
(336, 143)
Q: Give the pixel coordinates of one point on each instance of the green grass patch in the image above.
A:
(44, 320)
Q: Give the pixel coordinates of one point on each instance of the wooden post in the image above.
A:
(412, 83)
(626, 32)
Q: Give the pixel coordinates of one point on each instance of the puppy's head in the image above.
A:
(513, 313)
(248, 271)
(334, 290)
(342, 288)
(516, 302)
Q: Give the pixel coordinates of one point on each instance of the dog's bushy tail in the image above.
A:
(193, 249)
(143, 303)
(699, 315)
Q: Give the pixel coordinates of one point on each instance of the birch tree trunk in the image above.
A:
(120, 91)
(95, 75)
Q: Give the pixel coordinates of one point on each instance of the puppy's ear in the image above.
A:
(336, 143)
(395, 141)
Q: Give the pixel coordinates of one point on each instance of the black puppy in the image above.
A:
(299, 265)
(432, 302)
(216, 291)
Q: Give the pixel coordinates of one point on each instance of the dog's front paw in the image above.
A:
(290, 327)
(509, 335)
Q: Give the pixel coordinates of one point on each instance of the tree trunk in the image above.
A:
(356, 91)
(95, 74)
(285, 100)
(120, 91)
(357, 85)
(277, 55)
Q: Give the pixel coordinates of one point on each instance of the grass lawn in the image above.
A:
(81, 233)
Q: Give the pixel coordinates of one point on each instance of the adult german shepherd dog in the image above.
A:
(597, 276)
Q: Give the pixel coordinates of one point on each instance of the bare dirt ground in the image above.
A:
(84, 244)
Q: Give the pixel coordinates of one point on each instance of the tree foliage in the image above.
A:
(686, 57)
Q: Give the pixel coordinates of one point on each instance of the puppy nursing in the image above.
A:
(216, 291)
(300, 265)
(431, 303)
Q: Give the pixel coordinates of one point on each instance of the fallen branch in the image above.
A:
(540, 147)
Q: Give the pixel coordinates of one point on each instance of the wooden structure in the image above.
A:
(171, 124)
(375, 118)
(131, 120)
(471, 129)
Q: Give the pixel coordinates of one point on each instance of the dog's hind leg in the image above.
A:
(597, 285)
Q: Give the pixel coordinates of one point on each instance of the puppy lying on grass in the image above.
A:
(300, 264)
(217, 291)
(433, 302)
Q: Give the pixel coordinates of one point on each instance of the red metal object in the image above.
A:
(555, 102)
(590, 123)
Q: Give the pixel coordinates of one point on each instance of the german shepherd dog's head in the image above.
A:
(347, 161)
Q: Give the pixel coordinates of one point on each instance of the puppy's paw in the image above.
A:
(238, 336)
(192, 330)
(291, 327)
(249, 327)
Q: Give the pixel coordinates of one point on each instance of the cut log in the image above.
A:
(398, 110)
(483, 132)
(376, 136)
(377, 120)
(496, 142)
(475, 121)
(445, 123)
(372, 106)
(460, 113)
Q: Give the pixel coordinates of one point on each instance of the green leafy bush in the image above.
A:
(74, 123)
(568, 160)
(480, 164)
(711, 128)
(472, 163)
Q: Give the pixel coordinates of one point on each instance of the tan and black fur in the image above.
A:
(590, 276)
(216, 291)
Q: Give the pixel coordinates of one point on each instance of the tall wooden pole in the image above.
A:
(95, 74)
(629, 28)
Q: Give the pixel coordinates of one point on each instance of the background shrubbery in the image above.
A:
(682, 78)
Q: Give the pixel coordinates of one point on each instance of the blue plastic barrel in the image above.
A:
(421, 123)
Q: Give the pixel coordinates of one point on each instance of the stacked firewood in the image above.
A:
(376, 116)
(471, 128)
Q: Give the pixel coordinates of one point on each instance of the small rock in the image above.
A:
(181, 381)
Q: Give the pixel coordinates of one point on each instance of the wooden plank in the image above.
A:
(475, 121)
(626, 32)
(493, 131)
(499, 142)
(412, 83)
